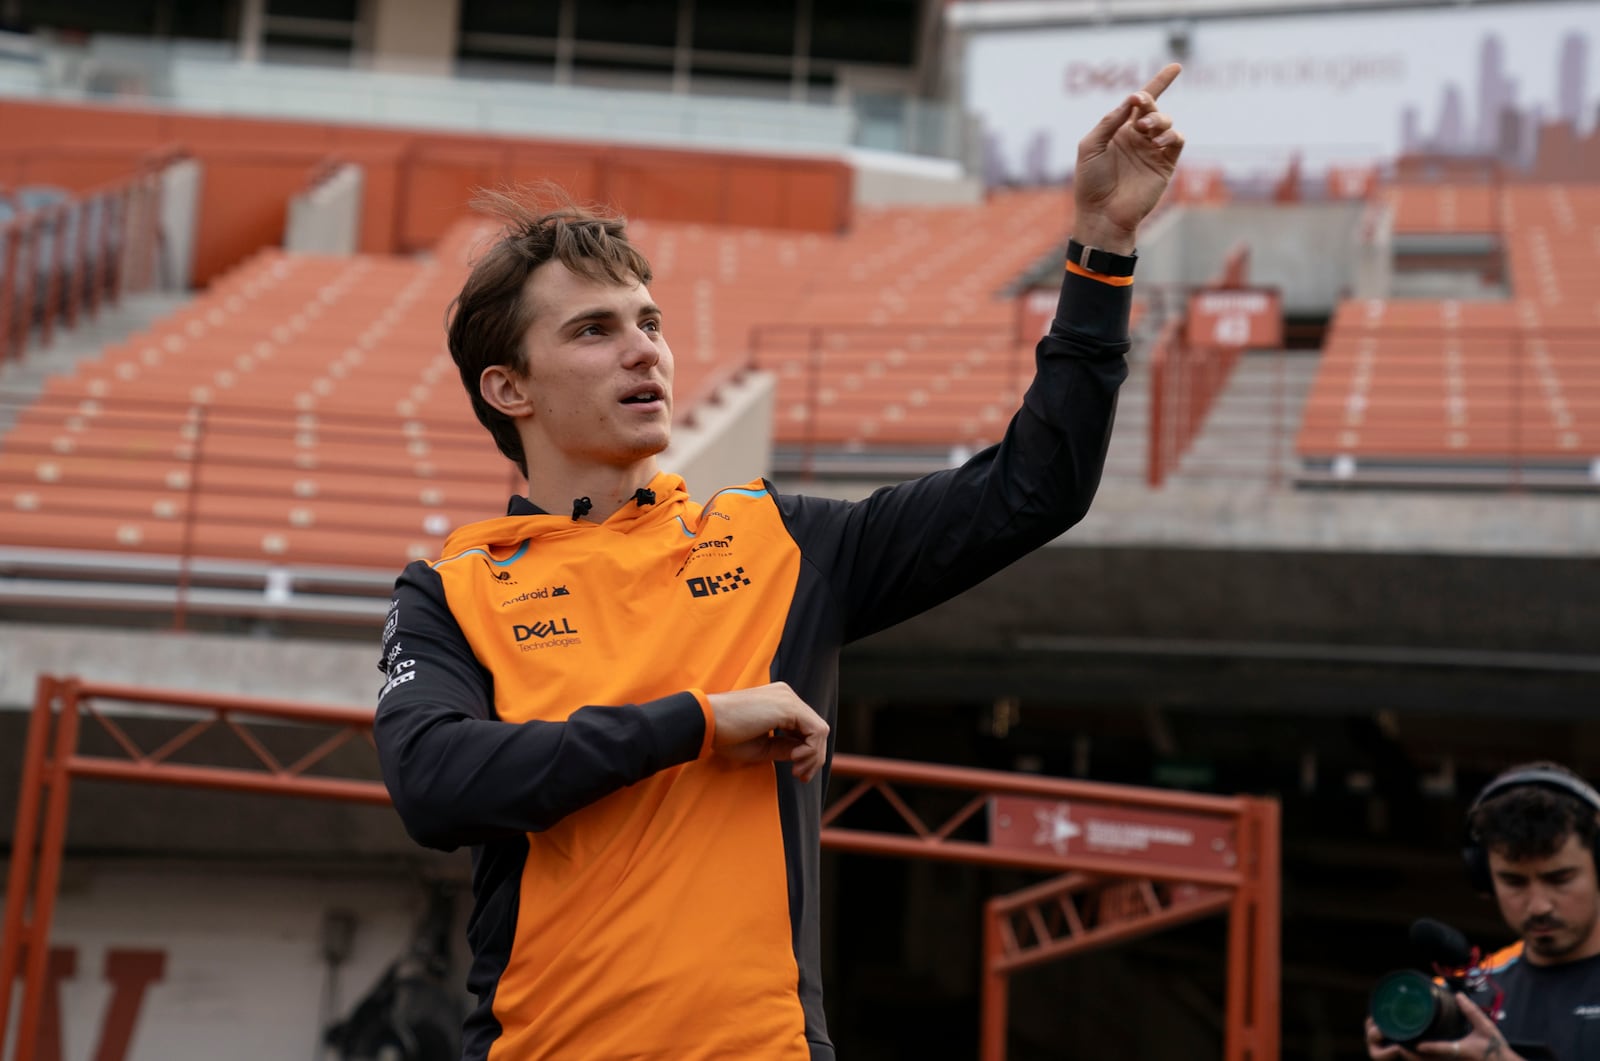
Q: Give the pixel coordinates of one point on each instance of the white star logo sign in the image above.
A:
(1055, 828)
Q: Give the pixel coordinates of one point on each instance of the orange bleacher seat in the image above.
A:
(307, 408)
(1443, 208)
(72, 521)
(1452, 381)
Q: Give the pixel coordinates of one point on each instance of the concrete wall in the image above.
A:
(324, 672)
(327, 219)
(729, 440)
(180, 222)
(412, 36)
(417, 183)
(1161, 247)
(508, 108)
(1313, 252)
(232, 955)
(1375, 255)
(884, 179)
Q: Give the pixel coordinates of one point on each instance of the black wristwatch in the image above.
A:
(1100, 261)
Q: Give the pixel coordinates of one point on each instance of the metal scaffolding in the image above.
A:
(1127, 861)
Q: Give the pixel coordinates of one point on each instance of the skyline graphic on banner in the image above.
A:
(1501, 128)
(1537, 119)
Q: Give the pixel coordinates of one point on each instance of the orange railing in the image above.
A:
(66, 258)
(1186, 379)
(1220, 855)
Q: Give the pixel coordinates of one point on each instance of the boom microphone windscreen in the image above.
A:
(1440, 944)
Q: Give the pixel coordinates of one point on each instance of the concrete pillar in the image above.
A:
(566, 31)
(413, 36)
(800, 61)
(252, 16)
(683, 51)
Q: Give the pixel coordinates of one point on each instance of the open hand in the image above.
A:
(1124, 166)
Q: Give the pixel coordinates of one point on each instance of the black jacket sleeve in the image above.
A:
(916, 544)
(458, 776)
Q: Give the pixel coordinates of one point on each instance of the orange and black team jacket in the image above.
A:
(1546, 1010)
(635, 895)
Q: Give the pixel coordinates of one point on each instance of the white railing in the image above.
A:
(201, 77)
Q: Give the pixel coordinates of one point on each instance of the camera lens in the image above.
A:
(1405, 1005)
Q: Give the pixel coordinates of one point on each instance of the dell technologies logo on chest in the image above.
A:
(548, 633)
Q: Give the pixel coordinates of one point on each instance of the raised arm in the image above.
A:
(1124, 166)
(916, 544)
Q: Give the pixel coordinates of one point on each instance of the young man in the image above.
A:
(1532, 840)
(621, 699)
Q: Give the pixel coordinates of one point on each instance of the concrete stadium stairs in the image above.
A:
(1251, 430)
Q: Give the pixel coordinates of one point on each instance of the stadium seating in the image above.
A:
(1488, 384)
(303, 409)
(905, 309)
(1443, 208)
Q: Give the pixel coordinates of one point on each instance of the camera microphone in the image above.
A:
(1441, 945)
(1411, 1007)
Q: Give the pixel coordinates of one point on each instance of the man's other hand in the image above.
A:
(1483, 1043)
(1378, 1050)
(1124, 166)
(769, 723)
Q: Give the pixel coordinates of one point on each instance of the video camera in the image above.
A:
(1411, 1007)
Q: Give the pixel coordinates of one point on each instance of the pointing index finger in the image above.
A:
(1164, 78)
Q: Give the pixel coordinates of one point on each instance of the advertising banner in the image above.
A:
(1337, 89)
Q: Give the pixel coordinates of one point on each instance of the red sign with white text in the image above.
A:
(1104, 830)
(1238, 317)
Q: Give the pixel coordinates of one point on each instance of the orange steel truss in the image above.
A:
(1223, 855)
(1100, 897)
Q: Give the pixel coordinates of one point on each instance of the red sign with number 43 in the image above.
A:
(1238, 317)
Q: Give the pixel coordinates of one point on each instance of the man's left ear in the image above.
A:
(504, 392)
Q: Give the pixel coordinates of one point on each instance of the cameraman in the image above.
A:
(1531, 840)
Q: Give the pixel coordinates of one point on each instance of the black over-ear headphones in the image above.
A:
(1476, 856)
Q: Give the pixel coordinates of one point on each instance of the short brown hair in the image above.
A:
(489, 319)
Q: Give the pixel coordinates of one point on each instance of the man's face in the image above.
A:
(599, 371)
(1553, 902)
